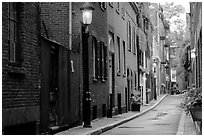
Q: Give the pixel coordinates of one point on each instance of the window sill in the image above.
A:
(14, 64)
(124, 75)
(18, 71)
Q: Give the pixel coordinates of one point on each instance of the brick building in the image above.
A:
(20, 67)
(98, 61)
(196, 43)
(42, 63)
(160, 49)
(60, 96)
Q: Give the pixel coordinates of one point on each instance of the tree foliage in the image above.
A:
(176, 36)
(170, 10)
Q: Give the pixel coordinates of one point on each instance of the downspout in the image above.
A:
(70, 25)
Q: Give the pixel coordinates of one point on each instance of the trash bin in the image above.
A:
(136, 107)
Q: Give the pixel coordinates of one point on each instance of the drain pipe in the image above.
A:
(70, 25)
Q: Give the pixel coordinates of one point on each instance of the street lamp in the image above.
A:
(87, 19)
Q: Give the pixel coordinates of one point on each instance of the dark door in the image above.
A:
(111, 83)
(49, 97)
(44, 93)
(53, 87)
(55, 97)
(126, 99)
(119, 104)
(128, 89)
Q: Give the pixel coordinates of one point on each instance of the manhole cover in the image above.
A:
(130, 127)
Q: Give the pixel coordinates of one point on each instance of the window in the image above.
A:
(134, 41)
(102, 60)
(131, 78)
(137, 46)
(13, 33)
(141, 58)
(147, 24)
(118, 7)
(124, 59)
(144, 23)
(123, 12)
(105, 62)
(94, 58)
(135, 80)
(103, 5)
(129, 35)
(98, 60)
(118, 44)
(138, 19)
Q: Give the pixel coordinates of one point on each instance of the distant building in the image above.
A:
(196, 43)
(160, 49)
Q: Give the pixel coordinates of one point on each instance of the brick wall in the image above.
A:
(56, 19)
(98, 28)
(20, 84)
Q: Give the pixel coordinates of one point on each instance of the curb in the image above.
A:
(180, 130)
(106, 128)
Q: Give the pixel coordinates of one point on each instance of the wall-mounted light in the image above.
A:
(193, 53)
(87, 13)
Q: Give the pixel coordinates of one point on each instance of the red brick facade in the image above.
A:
(21, 82)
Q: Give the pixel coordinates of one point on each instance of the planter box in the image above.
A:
(136, 107)
(196, 113)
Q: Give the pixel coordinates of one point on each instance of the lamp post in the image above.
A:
(87, 19)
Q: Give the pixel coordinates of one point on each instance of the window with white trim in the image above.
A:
(94, 57)
(129, 35)
(118, 47)
(118, 7)
(124, 59)
(13, 32)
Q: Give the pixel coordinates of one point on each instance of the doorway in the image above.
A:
(111, 83)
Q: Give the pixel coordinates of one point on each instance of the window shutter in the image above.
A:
(98, 60)
(102, 60)
(128, 33)
(105, 63)
(93, 56)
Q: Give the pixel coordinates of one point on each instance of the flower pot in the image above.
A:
(196, 113)
(136, 107)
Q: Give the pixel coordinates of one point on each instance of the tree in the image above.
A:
(170, 10)
(177, 32)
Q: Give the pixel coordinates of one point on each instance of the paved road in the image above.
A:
(162, 120)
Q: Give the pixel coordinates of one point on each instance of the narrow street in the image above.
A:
(162, 120)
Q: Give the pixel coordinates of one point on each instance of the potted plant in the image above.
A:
(193, 103)
(136, 102)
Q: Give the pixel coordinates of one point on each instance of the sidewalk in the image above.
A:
(186, 125)
(104, 124)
